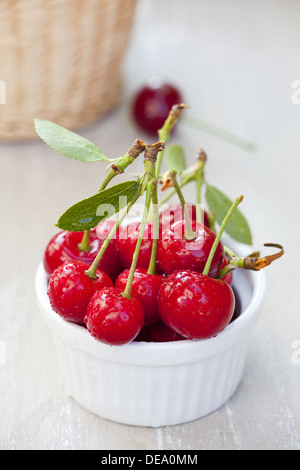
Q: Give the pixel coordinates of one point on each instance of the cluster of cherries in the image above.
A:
(175, 286)
(177, 302)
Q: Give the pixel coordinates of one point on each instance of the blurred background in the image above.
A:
(81, 65)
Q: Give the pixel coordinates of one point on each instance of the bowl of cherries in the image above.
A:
(150, 316)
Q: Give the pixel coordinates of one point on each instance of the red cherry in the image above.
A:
(229, 277)
(64, 246)
(161, 333)
(112, 318)
(194, 305)
(175, 252)
(174, 213)
(127, 242)
(70, 289)
(104, 228)
(145, 288)
(152, 105)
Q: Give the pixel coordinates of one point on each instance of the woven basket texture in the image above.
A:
(60, 60)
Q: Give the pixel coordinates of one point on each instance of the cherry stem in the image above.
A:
(127, 291)
(252, 262)
(201, 159)
(91, 272)
(171, 193)
(84, 245)
(132, 153)
(164, 132)
(220, 233)
(229, 251)
(149, 163)
(187, 176)
(155, 220)
(116, 169)
(149, 182)
(189, 233)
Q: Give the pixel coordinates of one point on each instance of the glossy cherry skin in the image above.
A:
(175, 252)
(104, 228)
(152, 104)
(70, 289)
(145, 288)
(174, 213)
(127, 241)
(63, 246)
(194, 305)
(112, 318)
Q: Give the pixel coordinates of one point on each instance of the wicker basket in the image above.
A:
(60, 60)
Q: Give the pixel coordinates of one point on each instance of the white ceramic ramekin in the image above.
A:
(154, 384)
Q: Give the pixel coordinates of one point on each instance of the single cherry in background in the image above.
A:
(70, 289)
(145, 288)
(152, 104)
(112, 318)
(64, 246)
(194, 305)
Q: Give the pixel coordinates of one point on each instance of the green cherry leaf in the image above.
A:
(68, 143)
(175, 157)
(237, 227)
(87, 214)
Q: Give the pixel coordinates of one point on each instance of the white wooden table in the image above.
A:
(235, 62)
